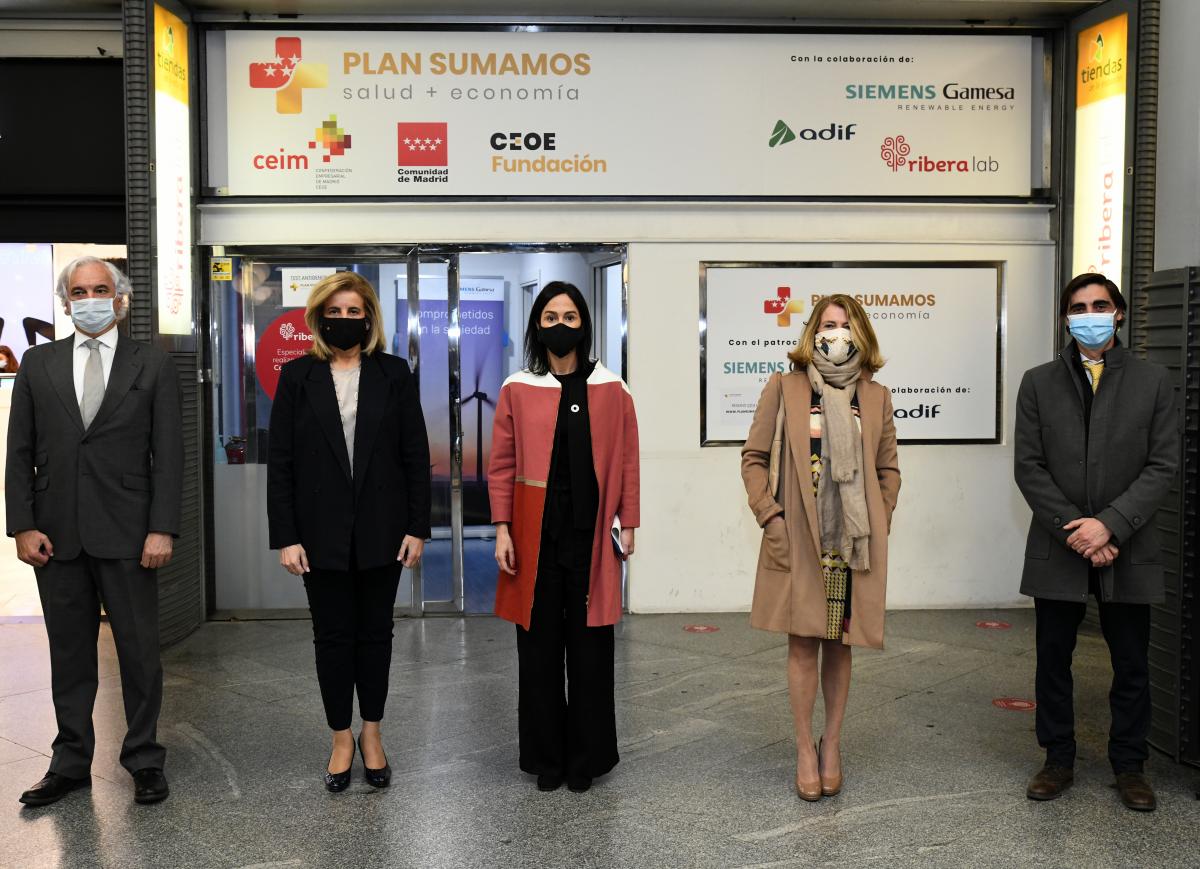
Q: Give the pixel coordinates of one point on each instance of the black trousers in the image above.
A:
(71, 593)
(352, 632)
(569, 733)
(1126, 629)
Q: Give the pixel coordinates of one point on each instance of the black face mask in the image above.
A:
(560, 339)
(345, 332)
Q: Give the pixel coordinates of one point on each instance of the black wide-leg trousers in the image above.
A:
(352, 632)
(566, 730)
(1126, 629)
(72, 592)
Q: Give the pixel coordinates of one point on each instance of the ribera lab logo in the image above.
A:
(835, 132)
(288, 74)
(331, 137)
(896, 151)
(783, 306)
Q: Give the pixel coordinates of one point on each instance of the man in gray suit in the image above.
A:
(95, 468)
(1097, 447)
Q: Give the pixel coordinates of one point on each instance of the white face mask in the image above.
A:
(836, 345)
(92, 315)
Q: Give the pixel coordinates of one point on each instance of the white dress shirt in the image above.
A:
(108, 349)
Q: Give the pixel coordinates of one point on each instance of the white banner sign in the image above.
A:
(298, 283)
(937, 325)
(387, 113)
(172, 174)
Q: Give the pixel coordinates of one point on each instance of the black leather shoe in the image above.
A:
(1050, 782)
(1136, 792)
(376, 778)
(336, 782)
(549, 782)
(579, 785)
(53, 788)
(150, 786)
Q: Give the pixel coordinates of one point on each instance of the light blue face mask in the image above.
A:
(1092, 331)
(92, 315)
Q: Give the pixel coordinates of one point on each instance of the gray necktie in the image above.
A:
(93, 383)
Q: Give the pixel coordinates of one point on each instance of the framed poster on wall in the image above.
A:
(939, 325)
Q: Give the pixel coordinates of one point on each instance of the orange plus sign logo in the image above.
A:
(288, 74)
(783, 306)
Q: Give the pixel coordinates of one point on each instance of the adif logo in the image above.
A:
(332, 138)
(287, 330)
(782, 134)
(288, 75)
(783, 306)
(894, 151)
(1098, 56)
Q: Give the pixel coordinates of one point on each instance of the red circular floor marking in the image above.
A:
(701, 629)
(993, 625)
(1016, 704)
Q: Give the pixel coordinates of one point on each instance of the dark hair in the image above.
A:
(1086, 280)
(536, 356)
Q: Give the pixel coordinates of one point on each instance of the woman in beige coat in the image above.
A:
(822, 478)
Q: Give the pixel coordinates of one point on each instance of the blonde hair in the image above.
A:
(861, 332)
(328, 287)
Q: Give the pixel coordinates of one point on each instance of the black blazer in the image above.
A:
(312, 497)
(104, 489)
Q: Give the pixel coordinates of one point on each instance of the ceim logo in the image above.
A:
(288, 75)
(332, 138)
(783, 306)
(894, 151)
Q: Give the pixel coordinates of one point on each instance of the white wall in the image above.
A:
(958, 537)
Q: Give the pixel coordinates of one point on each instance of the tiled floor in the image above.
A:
(935, 772)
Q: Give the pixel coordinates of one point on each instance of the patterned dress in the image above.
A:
(834, 569)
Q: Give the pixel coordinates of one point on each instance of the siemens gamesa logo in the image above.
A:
(953, 91)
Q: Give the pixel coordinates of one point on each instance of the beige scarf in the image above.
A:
(841, 496)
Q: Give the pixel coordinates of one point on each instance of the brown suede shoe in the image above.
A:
(1050, 782)
(1136, 792)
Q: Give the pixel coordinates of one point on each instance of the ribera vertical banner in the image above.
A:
(172, 174)
(1100, 131)
(454, 113)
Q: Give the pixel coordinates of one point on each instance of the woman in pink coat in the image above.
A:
(563, 476)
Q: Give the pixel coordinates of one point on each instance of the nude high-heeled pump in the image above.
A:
(810, 791)
(831, 786)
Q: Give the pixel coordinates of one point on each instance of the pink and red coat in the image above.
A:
(522, 444)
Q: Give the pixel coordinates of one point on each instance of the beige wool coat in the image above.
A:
(789, 589)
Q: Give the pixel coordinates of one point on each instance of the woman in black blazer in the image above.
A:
(348, 504)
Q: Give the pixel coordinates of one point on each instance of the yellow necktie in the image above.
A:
(1096, 369)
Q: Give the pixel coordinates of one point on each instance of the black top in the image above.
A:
(573, 495)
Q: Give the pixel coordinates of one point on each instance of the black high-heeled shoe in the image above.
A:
(336, 782)
(376, 778)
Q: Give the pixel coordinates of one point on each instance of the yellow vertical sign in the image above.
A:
(1099, 203)
(172, 175)
(170, 55)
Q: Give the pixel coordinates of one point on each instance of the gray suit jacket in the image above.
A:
(1118, 472)
(104, 489)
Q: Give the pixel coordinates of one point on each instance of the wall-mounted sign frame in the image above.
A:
(411, 113)
(939, 324)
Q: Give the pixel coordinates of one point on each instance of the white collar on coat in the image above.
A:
(598, 376)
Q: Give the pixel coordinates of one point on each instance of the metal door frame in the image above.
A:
(413, 255)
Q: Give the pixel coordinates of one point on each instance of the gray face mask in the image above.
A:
(92, 315)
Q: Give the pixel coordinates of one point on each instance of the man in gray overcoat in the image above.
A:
(92, 487)
(1097, 447)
